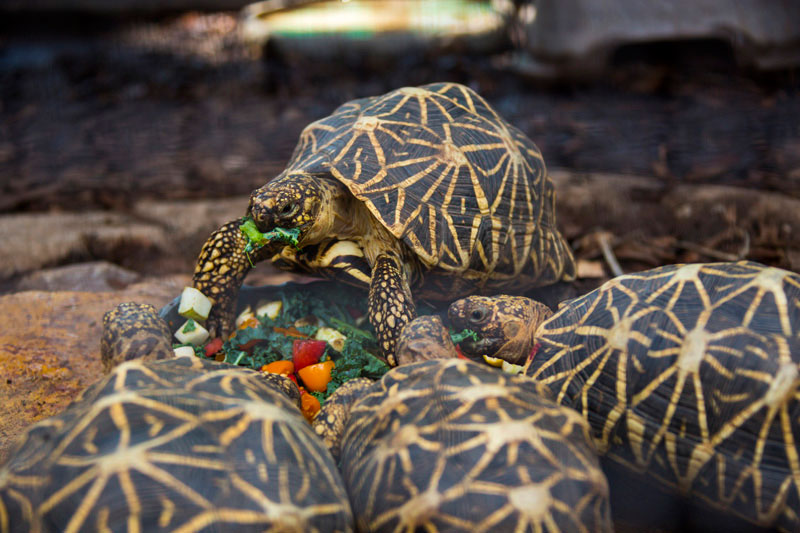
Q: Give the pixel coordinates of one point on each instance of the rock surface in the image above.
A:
(166, 236)
(50, 345)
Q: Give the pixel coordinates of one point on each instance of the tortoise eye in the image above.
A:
(288, 209)
(478, 315)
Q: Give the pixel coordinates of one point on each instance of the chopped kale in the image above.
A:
(273, 339)
(355, 362)
(463, 335)
(265, 344)
(190, 326)
(321, 396)
(351, 331)
(199, 351)
(256, 239)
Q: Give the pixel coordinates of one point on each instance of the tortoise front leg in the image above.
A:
(220, 271)
(390, 305)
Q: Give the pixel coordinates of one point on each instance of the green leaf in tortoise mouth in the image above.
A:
(463, 335)
(256, 239)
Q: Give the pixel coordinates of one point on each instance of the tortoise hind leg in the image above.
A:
(390, 305)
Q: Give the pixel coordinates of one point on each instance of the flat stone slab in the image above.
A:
(50, 347)
(154, 237)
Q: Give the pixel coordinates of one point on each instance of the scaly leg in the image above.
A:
(390, 304)
(220, 271)
(332, 418)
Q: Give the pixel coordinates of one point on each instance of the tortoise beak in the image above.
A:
(260, 210)
(473, 349)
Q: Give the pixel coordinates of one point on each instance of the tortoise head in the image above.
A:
(296, 200)
(505, 325)
(424, 338)
(134, 331)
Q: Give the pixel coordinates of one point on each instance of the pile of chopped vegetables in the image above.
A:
(319, 339)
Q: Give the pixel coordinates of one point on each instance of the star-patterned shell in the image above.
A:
(175, 445)
(436, 165)
(692, 374)
(449, 444)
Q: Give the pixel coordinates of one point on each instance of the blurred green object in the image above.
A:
(328, 29)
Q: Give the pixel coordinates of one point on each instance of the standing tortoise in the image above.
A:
(451, 445)
(690, 373)
(423, 188)
(181, 444)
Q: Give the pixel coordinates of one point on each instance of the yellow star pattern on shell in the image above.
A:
(692, 374)
(448, 443)
(175, 445)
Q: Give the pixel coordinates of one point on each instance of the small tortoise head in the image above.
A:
(134, 331)
(506, 325)
(296, 200)
(424, 338)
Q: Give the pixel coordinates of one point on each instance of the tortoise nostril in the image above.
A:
(261, 216)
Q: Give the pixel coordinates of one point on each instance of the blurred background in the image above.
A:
(131, 129)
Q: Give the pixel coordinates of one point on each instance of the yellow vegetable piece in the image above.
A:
(283, 367)
(316, 377)
(309, 405)
(494, 361)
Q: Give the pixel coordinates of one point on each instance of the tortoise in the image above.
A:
(450, 445)
(423, 192)
(179, 444)
(423, 339)
(688, 373)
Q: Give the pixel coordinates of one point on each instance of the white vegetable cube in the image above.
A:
(332, 336)
(271, 309)
(192, 332)
(194, 304)
(184, 351)
(244, 316)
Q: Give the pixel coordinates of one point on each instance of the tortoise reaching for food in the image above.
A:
(423, 339)
(423, 188)
(690, 373)
(451, 445)
(181, 444)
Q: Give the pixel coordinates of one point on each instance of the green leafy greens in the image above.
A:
(257, 346)
(256, 239)
(353, 362)
(463, 335)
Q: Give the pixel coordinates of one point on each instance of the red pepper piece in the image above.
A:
(214, 346)
(306, 352)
